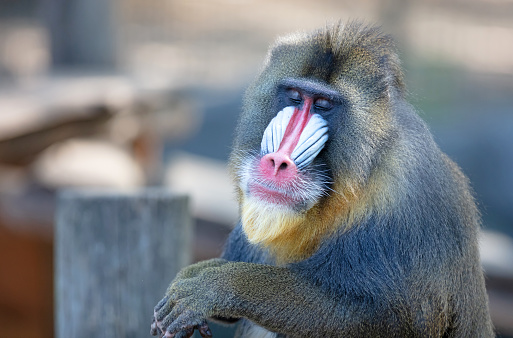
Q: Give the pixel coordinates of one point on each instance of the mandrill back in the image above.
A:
(353, 222)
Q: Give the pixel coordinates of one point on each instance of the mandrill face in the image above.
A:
(284, 174)
(286, 178)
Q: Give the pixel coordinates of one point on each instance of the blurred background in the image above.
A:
(133, 93)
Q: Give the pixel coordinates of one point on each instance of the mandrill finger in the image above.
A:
(204, 330)
(184, 334)
(171, 317)
(160, 304)
(187, 319)
(154, 328)
(164, 311)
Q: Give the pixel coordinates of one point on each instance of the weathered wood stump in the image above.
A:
(115, 254)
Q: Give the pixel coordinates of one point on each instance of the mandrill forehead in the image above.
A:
(337, 55)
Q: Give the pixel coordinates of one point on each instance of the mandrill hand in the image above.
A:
(196, 293)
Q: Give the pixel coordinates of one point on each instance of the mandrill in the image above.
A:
(353, 222)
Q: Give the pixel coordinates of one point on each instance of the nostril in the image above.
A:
(277, 164)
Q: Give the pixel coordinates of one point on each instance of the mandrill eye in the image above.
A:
(322, 104)
(294, 96)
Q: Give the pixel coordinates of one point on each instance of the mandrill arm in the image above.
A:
(273, 297)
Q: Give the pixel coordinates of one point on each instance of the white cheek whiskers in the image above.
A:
(308, 187)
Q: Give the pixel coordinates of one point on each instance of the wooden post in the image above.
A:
(115, 255)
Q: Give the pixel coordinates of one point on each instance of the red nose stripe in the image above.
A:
(296, 125)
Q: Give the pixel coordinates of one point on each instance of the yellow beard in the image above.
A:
(265, 223)
(291, 236)
(274, 227)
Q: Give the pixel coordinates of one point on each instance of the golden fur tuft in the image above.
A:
(290, 235)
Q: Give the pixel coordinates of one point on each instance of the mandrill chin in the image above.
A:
(353, 222)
